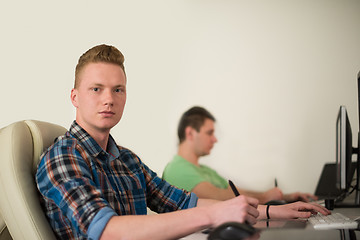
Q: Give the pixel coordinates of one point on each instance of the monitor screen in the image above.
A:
(344, 150)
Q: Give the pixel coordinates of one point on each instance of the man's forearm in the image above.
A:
(202, 202)
(161, 226)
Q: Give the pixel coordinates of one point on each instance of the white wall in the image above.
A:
(274, 73)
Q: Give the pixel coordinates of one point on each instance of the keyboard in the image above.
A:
(332, 221)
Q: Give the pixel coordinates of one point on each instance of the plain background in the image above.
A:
(273, 73)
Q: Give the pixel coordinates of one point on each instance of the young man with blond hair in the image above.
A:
(91, 188)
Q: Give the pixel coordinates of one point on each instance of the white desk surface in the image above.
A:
(277, 230)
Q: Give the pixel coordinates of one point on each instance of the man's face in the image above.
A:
(100, 97)
(205, 139)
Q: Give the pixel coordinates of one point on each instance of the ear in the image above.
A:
(189, 132)
(74, 97)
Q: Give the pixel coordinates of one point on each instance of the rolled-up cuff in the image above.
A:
(99, 222)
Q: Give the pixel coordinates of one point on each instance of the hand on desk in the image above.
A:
(272, 194)
(298, 196)
(240, 209)
(276, 194)
(296, 210)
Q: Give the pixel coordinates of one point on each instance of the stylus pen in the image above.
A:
(236, 192)
(276, 182)
(233, 188)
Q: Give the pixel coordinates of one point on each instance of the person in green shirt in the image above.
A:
(196, 132)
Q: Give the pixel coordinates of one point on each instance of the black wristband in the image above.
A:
(267, 211)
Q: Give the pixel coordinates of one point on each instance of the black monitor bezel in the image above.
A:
(344, 150)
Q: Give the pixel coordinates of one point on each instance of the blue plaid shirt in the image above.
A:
(82, 186)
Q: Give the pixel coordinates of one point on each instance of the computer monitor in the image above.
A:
(344, 150)
(344, 165)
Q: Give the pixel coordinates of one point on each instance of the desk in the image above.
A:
(296, 229)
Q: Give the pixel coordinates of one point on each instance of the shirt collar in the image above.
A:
(91, 145)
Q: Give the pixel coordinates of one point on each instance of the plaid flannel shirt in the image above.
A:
(82, 186)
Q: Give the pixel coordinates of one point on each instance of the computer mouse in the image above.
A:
(276, 202)
(231, 231)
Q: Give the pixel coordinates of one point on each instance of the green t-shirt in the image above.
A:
(183, 174)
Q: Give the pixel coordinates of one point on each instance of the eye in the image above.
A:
(95, 89)
(119, 90)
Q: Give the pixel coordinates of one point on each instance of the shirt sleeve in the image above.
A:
(99, 222)
(64, 179)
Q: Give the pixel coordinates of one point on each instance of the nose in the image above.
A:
(108, 98)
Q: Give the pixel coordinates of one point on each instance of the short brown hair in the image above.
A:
(99, 53)
(195, 118)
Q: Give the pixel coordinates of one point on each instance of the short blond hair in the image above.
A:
(99, 53)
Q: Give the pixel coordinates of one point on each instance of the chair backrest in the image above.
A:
(21, 145)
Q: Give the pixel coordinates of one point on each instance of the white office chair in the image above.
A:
(21, 145)
(4, 233)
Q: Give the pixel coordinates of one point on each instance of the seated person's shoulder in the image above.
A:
(65, 142)
(182, 174)
(64, 145)
(125, 152)
(128, 157)
(179, 167)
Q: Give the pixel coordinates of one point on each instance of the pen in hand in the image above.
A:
(236, 192)
(276, 184)
(233, 188)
